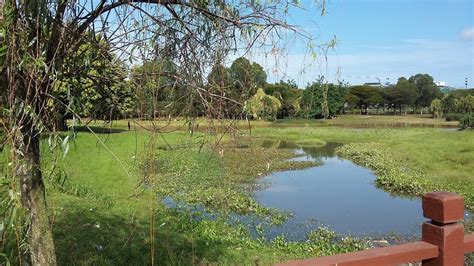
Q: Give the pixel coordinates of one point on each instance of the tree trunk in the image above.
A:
(28, 171)
(60, 124)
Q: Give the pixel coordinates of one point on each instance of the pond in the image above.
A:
(338, 194)
(335, 193)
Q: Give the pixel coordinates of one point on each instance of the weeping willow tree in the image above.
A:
(39, 41)
(262, 106)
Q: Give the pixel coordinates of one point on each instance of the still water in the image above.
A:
(338, 194)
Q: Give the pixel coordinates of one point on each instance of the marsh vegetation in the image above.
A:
(110, 209)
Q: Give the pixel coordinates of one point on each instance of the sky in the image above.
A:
(381, 39)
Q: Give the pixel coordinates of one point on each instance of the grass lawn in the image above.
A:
(107, 213)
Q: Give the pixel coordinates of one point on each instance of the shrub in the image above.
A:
(467, 121)
(453, 117)
(436, 108)
(262, 106)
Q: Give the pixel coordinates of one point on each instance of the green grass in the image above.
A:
(137, 226)
(107, 212)
(444, 156)
(202, 124)
(375, 121)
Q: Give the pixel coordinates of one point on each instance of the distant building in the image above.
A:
(443, 86)
(373, 84)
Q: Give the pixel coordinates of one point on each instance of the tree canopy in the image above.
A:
(288, 94)
(312, 99)
(426, 89)
(262, 106)
(364, 96)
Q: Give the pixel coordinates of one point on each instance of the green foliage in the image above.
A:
(404, 93)
(259, 75)
(364, 96)
(312, 99)
(465, 104)
(426, 89)
(12, 236)
(436, 108)
(467, 121)
(288, 94)
(453, 117)
(219, 78)
(230, 88)
(462, 93)
(182, 237)
(262, 106)
(97, 90)
(448, 103)
(247, 77)
(158, 92)
(219, 87)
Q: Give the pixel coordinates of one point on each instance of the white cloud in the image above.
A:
(446, 60)
(468, 33)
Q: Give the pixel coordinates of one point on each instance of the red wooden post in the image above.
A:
(445, 211)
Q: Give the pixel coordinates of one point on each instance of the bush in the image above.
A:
(453, 117)
(263, 106)
(436, 108)
(467, 121)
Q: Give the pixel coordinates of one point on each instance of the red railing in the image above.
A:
(443, 240)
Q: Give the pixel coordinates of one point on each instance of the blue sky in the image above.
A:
(385, 39)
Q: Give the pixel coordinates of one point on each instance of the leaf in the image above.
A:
(65, 146)
(7, 262)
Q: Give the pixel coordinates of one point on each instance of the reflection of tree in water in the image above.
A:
(317, 153)
(324, 152)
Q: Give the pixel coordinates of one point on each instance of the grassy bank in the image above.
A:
(138, 228)
(203, 124)
(105, 200)
(443, 156)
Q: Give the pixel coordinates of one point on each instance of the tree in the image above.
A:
(98, 89)
(288, 94)
(461, 93)
(246, 77)
(465, 104)
(312, 99)
(448, 103)
(402, 94)
(220, 84)
(426, 90)
(436, 108)
(364, 96)
(262, 106)
(41, 37)
(245, 85)
(156, 88)
(259, 75)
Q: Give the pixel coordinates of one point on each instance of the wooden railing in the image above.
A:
(443, 240)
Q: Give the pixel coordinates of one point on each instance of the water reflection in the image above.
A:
(338, 194)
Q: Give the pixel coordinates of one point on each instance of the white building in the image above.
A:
(441, 84)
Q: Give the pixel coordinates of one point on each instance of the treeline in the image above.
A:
(411, 95)
(418, 94)
(106, 88)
